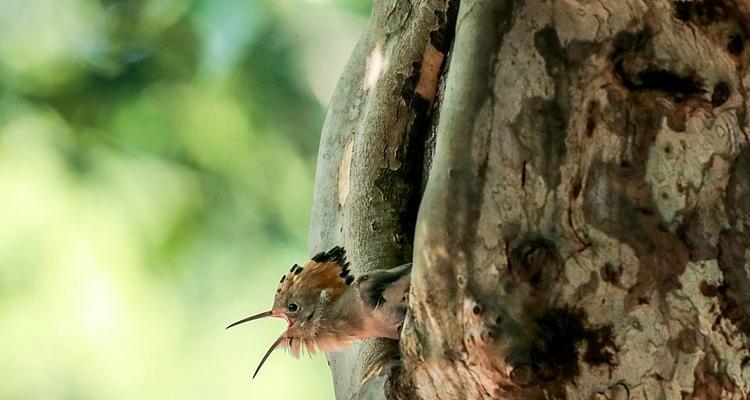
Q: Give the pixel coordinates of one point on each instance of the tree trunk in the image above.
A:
(572, 180)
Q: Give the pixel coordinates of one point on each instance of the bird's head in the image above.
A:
(302, 298)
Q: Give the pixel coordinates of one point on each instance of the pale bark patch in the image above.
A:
(376, 63)
(678, 161)
(345, 171)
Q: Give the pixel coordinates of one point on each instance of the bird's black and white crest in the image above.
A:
(327, 270)
(336, 254)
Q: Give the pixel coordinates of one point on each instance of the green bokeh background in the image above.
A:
(156, 173)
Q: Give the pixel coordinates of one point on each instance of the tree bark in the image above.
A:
(572, 180)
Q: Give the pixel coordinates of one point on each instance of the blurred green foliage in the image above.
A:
(156, 170)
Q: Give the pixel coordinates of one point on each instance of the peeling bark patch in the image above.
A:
(432, 61)
(554, 349)
(537, 262)
(397, 16)
(617, 199)
(345, 171)
(442, 38)
(618, 202)
(412, 152)
(406, 181)
(711, 380)
(734, 293)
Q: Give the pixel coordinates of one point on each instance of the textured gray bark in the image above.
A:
(584, 231)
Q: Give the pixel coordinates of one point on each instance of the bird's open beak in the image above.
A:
(252, 318)
(268, 353)
(265, 314)
(276, 343)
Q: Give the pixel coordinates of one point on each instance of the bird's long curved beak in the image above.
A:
(268, 353)
(251, 318)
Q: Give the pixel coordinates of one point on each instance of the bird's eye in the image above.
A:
(293, 307)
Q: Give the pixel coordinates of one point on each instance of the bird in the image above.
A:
(327, 308)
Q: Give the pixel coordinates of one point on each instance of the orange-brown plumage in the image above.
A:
(330, 274)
